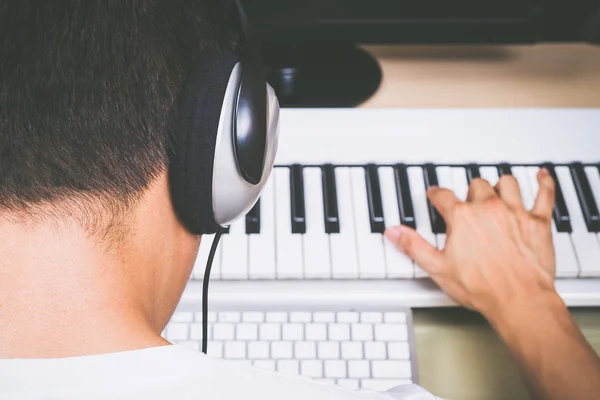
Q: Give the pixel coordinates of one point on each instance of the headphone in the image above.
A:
(226, 134)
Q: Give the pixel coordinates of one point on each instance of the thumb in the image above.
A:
(414, 246)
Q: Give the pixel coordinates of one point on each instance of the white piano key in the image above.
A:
(288, 246)
(317, 262)
(566, 261)
(444, 175)
(399, 265)
(371, 259)
(490, 174)
(520, 174)
(419, 201)
(234, 259)
(200, 264)
(261, 247)
(586, 244)
(344, 255)
(460, 185)
(593, 176)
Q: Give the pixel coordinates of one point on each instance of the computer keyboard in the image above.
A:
(367, 348)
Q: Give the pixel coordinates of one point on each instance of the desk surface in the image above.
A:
(459, 355)
(488, 76)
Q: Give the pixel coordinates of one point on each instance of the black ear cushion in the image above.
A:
(197, 120)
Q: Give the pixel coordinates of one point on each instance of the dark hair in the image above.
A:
(87, 92)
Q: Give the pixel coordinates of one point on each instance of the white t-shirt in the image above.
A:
(168, 372)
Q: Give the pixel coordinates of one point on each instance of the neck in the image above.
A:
(61, 296)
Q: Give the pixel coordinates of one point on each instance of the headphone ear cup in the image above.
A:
(193, 152)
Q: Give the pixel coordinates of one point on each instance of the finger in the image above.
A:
(480, 190)
(443, 200)
(414, 246)
(509, 191)
(544, 202)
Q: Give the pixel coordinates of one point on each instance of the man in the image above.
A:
(93, 260)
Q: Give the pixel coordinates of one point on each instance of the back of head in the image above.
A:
(87, 95)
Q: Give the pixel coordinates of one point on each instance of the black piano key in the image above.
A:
(330, 203)
(438, 225)
(472, 172)
(297, 199)
(586, 197)
(374, 199)
(560, 211)
(253, 219)
(504, 169)
(405, 207)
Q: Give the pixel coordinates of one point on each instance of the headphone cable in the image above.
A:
(211, 256)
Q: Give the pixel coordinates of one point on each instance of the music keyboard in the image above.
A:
(342, 176)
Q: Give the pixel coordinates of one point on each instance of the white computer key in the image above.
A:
(215, 350)
(391, 332)
(460, 185)
(347, 316)
(177, 331)
(398, 351)
(391, 369)
(586, 243)
(339, 332)
(235, 349)
(382, 385)
(520, 174)
(234, 258)
(246, 331)
(292, 331)
(253, 316)
(328, 350)
(289, 246)
(371, 317)
(395, 316)
(362, 332)
(344, 255)
(280, 350)
(229, 316)
(288, 367)
(352, 350)
(300, 316)
(359, 369)
(196, 331)
(323, 316)
(349, 383)
(305, 350)
(375, 351)
(270, 331)
(371, 258)
(317, 261)
(490, 174)
(182, 316)
(311, 368)
(419, 201)
(257, 350)
(315, 331)
(223, 331)
(202, 257)
(261, 246)
(276, 316)
(335, 369)
(398, 264)
(267, 365)
(567, 265)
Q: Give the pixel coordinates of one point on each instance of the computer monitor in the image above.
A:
(310, 46)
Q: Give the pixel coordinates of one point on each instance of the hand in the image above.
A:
(497, 253)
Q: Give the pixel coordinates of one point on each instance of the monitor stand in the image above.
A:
(321, 75)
